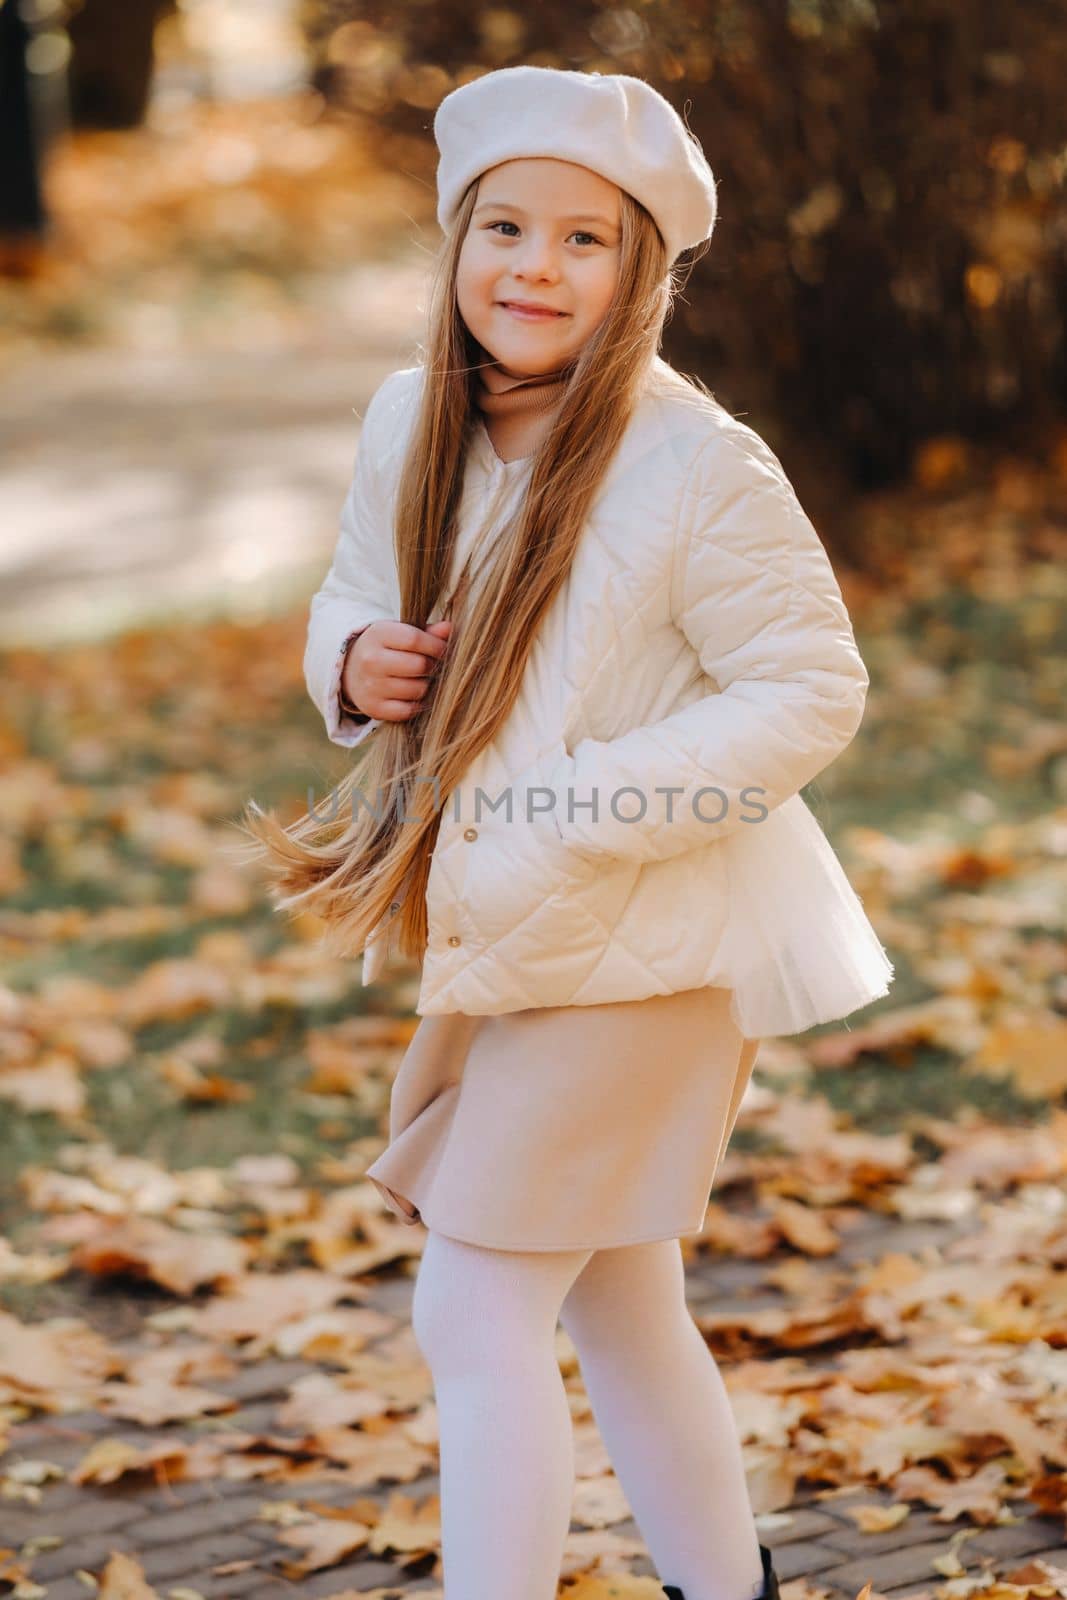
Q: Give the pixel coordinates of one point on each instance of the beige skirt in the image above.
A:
(565, 1127)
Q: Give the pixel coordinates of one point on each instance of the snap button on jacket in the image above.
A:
(695, 671)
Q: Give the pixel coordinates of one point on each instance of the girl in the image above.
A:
(594, 649)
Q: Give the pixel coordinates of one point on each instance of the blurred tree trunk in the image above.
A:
(22, 210)
(112, 57)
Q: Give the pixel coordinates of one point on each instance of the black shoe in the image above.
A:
(770, 1577)
(770, 1580)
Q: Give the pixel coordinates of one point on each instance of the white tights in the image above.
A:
(485, 1321)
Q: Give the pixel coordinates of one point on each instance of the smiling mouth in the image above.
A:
(542, 313)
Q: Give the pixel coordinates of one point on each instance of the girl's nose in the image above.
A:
(537, 260)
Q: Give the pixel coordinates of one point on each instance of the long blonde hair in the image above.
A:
(377, 860)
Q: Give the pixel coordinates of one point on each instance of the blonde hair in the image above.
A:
(378, 860)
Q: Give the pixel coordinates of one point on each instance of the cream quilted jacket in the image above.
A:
(695, 671)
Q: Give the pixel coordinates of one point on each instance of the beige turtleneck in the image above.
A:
(518, 411)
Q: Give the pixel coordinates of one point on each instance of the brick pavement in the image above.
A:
(181, 1532)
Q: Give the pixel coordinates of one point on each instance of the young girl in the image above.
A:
(594, 649)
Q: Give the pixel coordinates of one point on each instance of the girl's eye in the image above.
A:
(579, 233)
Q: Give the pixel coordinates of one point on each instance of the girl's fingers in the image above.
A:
(404, 680)
(407, 663)
(398, 710)
(402, 697)
(404, 688)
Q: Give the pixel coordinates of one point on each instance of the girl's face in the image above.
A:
(544, 232)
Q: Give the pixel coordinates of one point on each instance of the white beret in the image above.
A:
(617, 125)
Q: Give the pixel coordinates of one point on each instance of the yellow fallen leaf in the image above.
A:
(878, 1519)
(123, 1579)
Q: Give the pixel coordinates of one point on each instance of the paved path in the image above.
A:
(136, 484)
(181, 1533)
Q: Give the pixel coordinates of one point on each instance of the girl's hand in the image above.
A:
(388, 667)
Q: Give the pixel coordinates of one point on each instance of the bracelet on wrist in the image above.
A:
(346, 705)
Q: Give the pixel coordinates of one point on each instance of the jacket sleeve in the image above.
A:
(361, 586)
(753, 591)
